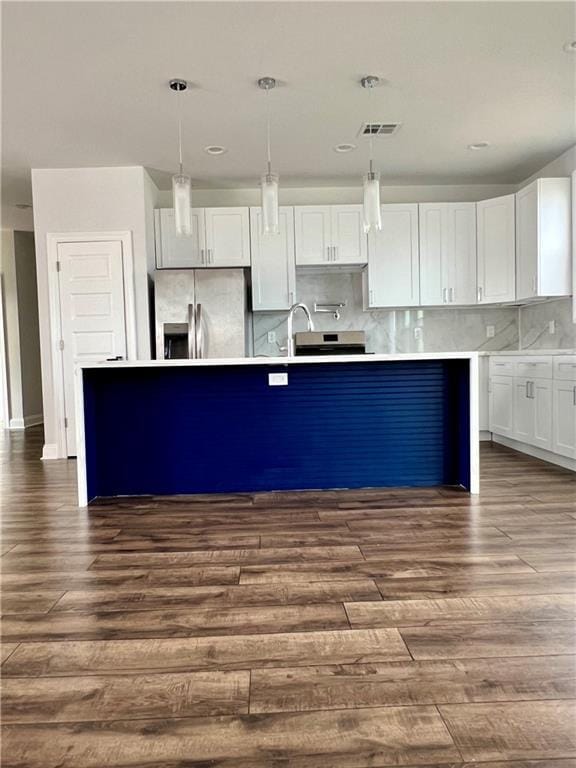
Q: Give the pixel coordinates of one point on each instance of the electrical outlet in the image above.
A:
(271, 337)
(551, 327)
(490, 331)
(417, 333)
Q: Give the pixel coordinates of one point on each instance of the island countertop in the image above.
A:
(259, 424)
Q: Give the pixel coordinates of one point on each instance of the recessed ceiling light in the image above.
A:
(570, 47)
(342, 148)
(479, 145)
(214, 149)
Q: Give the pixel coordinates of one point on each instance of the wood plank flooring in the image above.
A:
(386, 627)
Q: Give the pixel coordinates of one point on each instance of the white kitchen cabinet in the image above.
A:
(447, 253)
(564, 418)
(541, 390)
(392, 278)
(273, 262)
(543, 240)
(174, 252)
(220, 238)
(329, 234)
(501, 402)
(523, 411)
(227, 237)
(496, 241)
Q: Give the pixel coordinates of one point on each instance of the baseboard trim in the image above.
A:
(34, 420)
(16, 424)
(50, 452)
(485, 435)
(538, 453)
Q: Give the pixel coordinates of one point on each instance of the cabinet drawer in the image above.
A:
(565, 368)
(535, 367)
(501, 366)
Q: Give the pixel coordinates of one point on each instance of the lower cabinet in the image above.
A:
(501, 399)
(564, 418)
(539, 410)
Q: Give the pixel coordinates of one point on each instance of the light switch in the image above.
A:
(490, 331)
(271, 337)
(277, 379)
(551, 327)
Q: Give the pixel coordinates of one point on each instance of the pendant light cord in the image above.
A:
(180, 130)
(371, 140)
(268, 150)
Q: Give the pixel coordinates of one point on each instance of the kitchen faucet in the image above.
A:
(291, 314)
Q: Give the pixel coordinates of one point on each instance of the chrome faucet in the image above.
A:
(291, 314)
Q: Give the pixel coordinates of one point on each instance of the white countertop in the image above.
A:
(236, 361)
(527, 352)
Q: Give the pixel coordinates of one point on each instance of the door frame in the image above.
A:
(53, 240)
(4, 393)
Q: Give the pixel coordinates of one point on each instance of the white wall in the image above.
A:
(70, 200)
(564, 165)
(334, 195)
(18, 269)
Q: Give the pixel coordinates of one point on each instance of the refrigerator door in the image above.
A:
(221, 321)
(173, 295)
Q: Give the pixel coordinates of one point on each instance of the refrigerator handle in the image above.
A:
(199, 332)
(191, 332)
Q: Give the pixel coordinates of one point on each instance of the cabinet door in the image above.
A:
(564, 418)
(541, 392)
(501, 399)
(313, 239)
(523, 422)
(461, 253)
(527, 242)
(273, 264)
(227, 237)
(496, 250)
(393, 268)
(433, 221)
(347, 234)
(174, 252)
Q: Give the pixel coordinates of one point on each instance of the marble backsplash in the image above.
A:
(391, 331)
(534, 322)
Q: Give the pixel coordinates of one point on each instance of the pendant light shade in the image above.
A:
(372, 215)
(181, 200)
(181, 183)
(371, 209)
(269, 187)
(269, 181)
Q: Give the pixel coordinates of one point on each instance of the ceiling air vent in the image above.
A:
(379, 129)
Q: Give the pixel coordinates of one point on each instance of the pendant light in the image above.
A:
(180, 181)
(371, 209)
(269, 181)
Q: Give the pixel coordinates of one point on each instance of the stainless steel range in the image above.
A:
(330, 343)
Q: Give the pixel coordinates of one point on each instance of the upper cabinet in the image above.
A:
(447, 253)
(496, 250)
(543, 239)
(392, 277)
(178, 252)
(329, 234)
(220, 238)
(273, 263)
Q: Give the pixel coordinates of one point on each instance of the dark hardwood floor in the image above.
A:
(289, 630)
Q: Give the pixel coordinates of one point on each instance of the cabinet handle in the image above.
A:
(327, 253)
(574, 395)
(534, 284)
(201, 255)
(335, 252)
(444, 295)
(479, 293)
(527, 386)
(291, 295)
(371, 294)
(451, 294)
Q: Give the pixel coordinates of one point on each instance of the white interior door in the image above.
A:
(92, 313)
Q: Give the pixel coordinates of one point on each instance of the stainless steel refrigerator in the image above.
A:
(200, 313)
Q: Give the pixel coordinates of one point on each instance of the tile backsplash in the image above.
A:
(390, 331)
(534, 325)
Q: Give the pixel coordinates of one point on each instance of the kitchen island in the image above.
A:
(272, 424)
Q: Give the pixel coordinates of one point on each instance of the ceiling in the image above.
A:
(85, 84)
